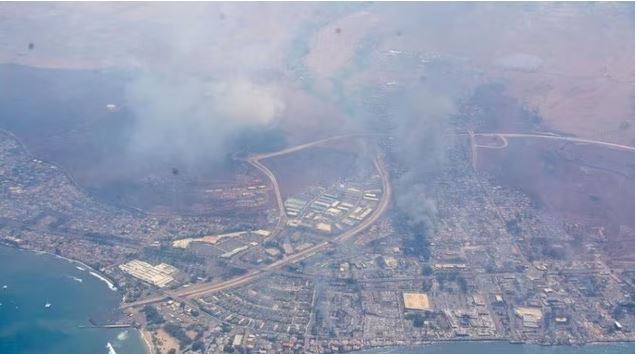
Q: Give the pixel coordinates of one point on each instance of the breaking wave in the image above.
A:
(110, 348)
(108, 282)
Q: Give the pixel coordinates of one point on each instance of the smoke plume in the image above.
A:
(187, 118)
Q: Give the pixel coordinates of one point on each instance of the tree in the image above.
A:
(198, 346)
(152, 315)
(178, 333)
(426, 270)
(418, 320)
(226, 327)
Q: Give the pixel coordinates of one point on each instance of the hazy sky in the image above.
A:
(205, 70)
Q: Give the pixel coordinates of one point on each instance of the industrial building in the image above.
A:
(159, 275)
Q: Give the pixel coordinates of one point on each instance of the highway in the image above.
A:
(255, 161)
(210, 287)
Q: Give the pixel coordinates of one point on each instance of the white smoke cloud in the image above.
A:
(247, 102)
(187, 118)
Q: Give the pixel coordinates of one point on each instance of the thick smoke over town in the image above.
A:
(411, 194)
(423, 125)
(317, 177)
(201, 74)
(199, 77)
(420, 114)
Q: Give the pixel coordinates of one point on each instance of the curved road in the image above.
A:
(273, 181)
(206, 288)
(255, 161)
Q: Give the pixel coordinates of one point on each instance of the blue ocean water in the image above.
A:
(28, 327)
(28, 281)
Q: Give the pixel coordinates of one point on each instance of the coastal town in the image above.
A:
(315, 178)
(485, 270)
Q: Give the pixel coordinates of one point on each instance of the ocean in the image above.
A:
(28, 281)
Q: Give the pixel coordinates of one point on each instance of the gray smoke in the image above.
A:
(424, 136)
(187, 118)
(418, 116)
(205, 73)
(323, 306)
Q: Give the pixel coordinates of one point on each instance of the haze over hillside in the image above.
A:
(194, 84)
(291, 65)
(321, 177)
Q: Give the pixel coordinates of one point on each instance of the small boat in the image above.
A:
(47, 305)
(4, 286)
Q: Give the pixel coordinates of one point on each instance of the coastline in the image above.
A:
(144, 334)
(148, 348)
(94, 272)
(103, 279)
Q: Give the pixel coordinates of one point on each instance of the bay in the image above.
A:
(28, 281)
